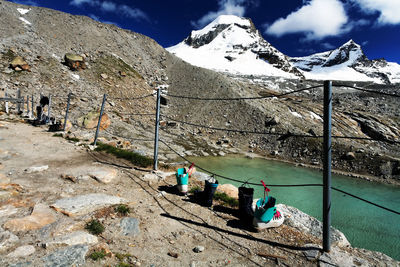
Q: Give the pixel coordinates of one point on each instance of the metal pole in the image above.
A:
(27, 105)
(327, 165)
(33, 111)
(66, 112)
(19, 103)
(5, 95)
(49, 110)
(157, 128)
(101, 115)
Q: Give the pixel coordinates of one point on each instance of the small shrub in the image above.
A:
(121, 256)
(57, 135)
(97, 255)
(223, 197)
(94, 227)
(122, 209)
(73, 139)
(133, 157)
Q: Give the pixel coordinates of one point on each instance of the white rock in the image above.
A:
(37, 169)
(306, 223)
(104, 175)
(83, 204)
(7, 239)
(75, 238)
(7, 210)
(23, 251)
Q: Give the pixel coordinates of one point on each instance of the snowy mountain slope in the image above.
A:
(232, 44)
(347, 62)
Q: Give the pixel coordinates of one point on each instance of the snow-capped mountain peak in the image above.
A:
(348, 62)
(232, 44)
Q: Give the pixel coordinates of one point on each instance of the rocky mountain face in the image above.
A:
(348, 62)
(229, 41)
(233, 45)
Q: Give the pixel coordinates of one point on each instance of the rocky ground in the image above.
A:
(50, 188)
(125, 65)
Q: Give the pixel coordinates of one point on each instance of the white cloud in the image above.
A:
(225, 7)
(82, 2)
(109, 6)
(327, 45)
(389, 10)
(317, 19)
(133, 12)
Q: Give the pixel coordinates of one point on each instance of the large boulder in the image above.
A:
(74, 62)
(18, 64)
(40, 217)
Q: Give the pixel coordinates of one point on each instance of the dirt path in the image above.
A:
(169, 226)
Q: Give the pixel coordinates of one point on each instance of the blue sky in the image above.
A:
(295, 27)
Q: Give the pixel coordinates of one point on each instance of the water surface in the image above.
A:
(364, 225)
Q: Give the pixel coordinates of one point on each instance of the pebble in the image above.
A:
(198, 249)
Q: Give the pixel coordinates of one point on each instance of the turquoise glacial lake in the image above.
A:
(364, 225)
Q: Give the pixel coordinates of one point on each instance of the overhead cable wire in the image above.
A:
(137, 114)
(131, 98)
(235, 130)
(367, 201)
(366, 90)
(129, 139)
(242, 98)
(281, 135)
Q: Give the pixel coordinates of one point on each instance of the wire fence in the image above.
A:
(279, 135)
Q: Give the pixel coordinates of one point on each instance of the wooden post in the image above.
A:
(326, 214)
(101, 115)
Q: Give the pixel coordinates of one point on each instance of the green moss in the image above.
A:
(122, 209)
(9, 55)
(223, 197)
(95, 227)
(73, 139)
(111, 65)
(121, 256)
(133, 157)
(97, 255)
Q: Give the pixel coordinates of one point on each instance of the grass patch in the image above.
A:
(121, 256)
(73, 139)
(123, 264)
(97, 255)
(122, 209)
(95, 227)
(223, 197)
(134, 158)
